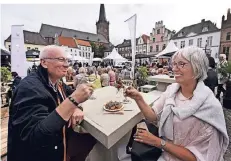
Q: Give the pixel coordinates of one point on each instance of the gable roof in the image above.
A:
(67, 41)
(145, 38)
(31, 38)
(83, 43)
(50, 31)
(196, 28)
(126, 43)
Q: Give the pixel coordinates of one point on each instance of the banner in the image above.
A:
(18, 55)
(132, 27)
(91, 58)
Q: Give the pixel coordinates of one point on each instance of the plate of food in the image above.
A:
(113, 106)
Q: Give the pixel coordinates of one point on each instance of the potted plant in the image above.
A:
(226, 72)
(5, 75)
(143, 74)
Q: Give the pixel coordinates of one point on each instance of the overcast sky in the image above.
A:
(83, 17)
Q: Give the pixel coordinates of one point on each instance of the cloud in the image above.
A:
(84, 16)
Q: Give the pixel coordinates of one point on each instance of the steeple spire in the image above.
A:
(102, 14)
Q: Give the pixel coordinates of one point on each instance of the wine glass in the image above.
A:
(92, 81)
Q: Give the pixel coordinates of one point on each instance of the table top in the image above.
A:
(110, 128)
(162, 78)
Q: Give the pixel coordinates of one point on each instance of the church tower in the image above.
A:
(102, 25)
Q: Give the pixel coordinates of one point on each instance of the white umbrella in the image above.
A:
(170, 48)
(97, 59)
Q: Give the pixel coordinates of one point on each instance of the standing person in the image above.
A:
(81, 77)
(112, 76)
(16, 80)
(189, 117)
(41, 111)
(105, 79)
(221, 79)
(212, 80)
(94, 77)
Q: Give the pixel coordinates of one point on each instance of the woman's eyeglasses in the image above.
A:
(179, 65)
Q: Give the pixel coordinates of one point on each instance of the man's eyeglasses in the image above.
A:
(179, 65)
(60, 59)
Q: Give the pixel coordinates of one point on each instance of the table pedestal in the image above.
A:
(162, 86)
(116, 153)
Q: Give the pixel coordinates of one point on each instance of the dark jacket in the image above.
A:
(35, 128)
(212, 80)
(16, 82)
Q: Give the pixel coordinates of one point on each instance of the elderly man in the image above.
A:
(221, 79)
(40, 110)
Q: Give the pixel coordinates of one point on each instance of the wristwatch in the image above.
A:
(75, 103)
(162, 143)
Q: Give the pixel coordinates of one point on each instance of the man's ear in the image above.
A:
(43, 63)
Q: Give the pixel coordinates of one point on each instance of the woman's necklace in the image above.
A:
(184, 98)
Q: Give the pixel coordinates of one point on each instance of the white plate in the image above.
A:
(113, 110)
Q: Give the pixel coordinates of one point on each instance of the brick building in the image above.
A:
(225, 40)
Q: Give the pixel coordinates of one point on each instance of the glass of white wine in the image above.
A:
(92, 81)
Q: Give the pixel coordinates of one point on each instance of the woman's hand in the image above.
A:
(133, 93)
(76, 118)
(144, 136)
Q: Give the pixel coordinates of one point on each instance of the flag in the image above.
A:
(18, 55)
(132, 27)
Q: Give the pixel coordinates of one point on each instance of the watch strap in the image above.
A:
(75, 103)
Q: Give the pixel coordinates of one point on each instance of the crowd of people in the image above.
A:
(44, 110)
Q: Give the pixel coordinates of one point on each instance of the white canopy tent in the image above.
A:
(171, 48)
(115, 56)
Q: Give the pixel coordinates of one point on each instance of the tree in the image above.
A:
(5, 74)
(101, 50)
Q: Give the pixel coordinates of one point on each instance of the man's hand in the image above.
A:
(82, 92)
(76, 118)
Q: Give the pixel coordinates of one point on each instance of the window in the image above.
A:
(175, 43)
(205, 29)
(190, 42)
(28, 48)
(209, 41)
(158, 31)
(71, 50)
(228, 36)
(151, 48)
(199, 42)
(122, 49)
(153, 39)
(182, 44)
(157, 48)
(80, 53)
(224, 50)
(36, 48)
(164, 46)
(180, 34)
(9, 47)
(162, 38)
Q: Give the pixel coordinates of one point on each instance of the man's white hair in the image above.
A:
(223, 56)
(198, 59)
(47, 50)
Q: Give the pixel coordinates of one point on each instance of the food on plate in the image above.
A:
(113, 105)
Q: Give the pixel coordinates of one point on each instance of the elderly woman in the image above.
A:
(70, 74)
(104, 78)
(94, 78)
(112, 76)
(189, 117)
(81, 77)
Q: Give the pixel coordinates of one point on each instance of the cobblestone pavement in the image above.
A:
(227, 113)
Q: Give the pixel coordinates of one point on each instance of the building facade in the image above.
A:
(32, 40)
(204, 35)
(159, 38)
(225, 39)
(125, 48)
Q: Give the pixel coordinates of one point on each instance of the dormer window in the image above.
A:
(205, 29)
(180, 34)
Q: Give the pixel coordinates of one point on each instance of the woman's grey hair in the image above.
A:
(82, 70)
(51, 49)
(198, 59)
(91, 70)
